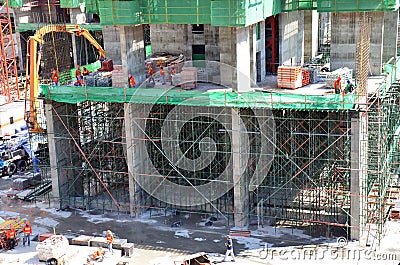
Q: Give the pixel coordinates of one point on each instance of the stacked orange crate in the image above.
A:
(289, 77)
(305, 77)
(189, 77)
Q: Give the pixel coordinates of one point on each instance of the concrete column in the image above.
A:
(390, 34)
(260, 48)
(235, 52)
(133, 51)
(240, 181)
(64, 158)
(355, 188)
(310, 34)
(132, 156)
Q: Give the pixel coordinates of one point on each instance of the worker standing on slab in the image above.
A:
(78, 71)
(337, 85)
(85, 71)
(151, 74)
(131, 81)
(162, 75)
(229, 249)
(10, 236)
(27, 234)
(110, 241)
(55, 77)
(349, 87)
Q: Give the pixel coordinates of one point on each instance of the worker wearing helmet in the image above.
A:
(110, 241)
(27, 234)
(97, 254)
(10, 236)
(55, 77)
(131, 81)
(229, 249)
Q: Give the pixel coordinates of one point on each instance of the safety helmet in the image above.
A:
(228, 236)
(108, 231)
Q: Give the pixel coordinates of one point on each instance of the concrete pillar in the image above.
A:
(310, 34)
(240, 180)
(291, 40)
(111, 38)
(132, 156)
(390, 34)
(64, 158)
(133, 52)
(235, 52)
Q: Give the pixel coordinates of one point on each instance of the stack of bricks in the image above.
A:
(305, 77)
(118, 78)
(289, 77)
(188, 78)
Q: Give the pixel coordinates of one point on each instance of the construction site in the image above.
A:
(248, 129)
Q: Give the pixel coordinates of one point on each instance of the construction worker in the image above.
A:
(229, 249)
(55, 77)
(27, 234)
(85, 71)
(349, 87)
(98, 254)
(79, 80)
(131, 81)
(78, 71)
(10, 236)
(162, 75)
(110, 241)
(172, 72)
(151, 73)
(337, 85)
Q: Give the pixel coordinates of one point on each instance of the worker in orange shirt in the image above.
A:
(55, 77)
(85, 71)
(151, 74)
(98, 254)
(337, 85)
(110, 241)
(162, 75)
(131, 81)
(27, 234)
(10, 236)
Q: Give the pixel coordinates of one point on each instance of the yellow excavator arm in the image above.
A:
(33, 62)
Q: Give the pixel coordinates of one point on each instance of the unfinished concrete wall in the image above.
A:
(111, 36)
(345, 35)
(291, 38)
(170, 38)
(211, 38)
(66, 180)
(260, 63)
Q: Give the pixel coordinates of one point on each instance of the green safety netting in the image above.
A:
(70, 3)
(119, 12)
(74, 95)
(15, 3)
(357, 5)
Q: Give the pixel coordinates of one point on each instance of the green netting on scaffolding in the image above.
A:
(119, 12)
(359, 5)
(70, 3)
(293, 5)
(92, 6)
(15, 3)
(176, 11)
(74, 95)
(228, 13)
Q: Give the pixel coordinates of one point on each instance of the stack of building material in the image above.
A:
(55, 246)
(305, 80)
(188, 78)
(104, 79)
(289, 77)
(118, 78)
(90, 80)
(106, 66)
(344, 73)
(176, 79)
(17, 223)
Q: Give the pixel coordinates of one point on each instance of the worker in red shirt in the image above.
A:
(131, 81)
(27, 234)
(10, 236)
(98, 254)
(110, 241)
(55, 77)
(337, 85)
(162, 75)
(78, 71)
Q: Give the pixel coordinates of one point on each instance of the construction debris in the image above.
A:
(55, 247)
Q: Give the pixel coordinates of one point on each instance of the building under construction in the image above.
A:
(305, 157)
